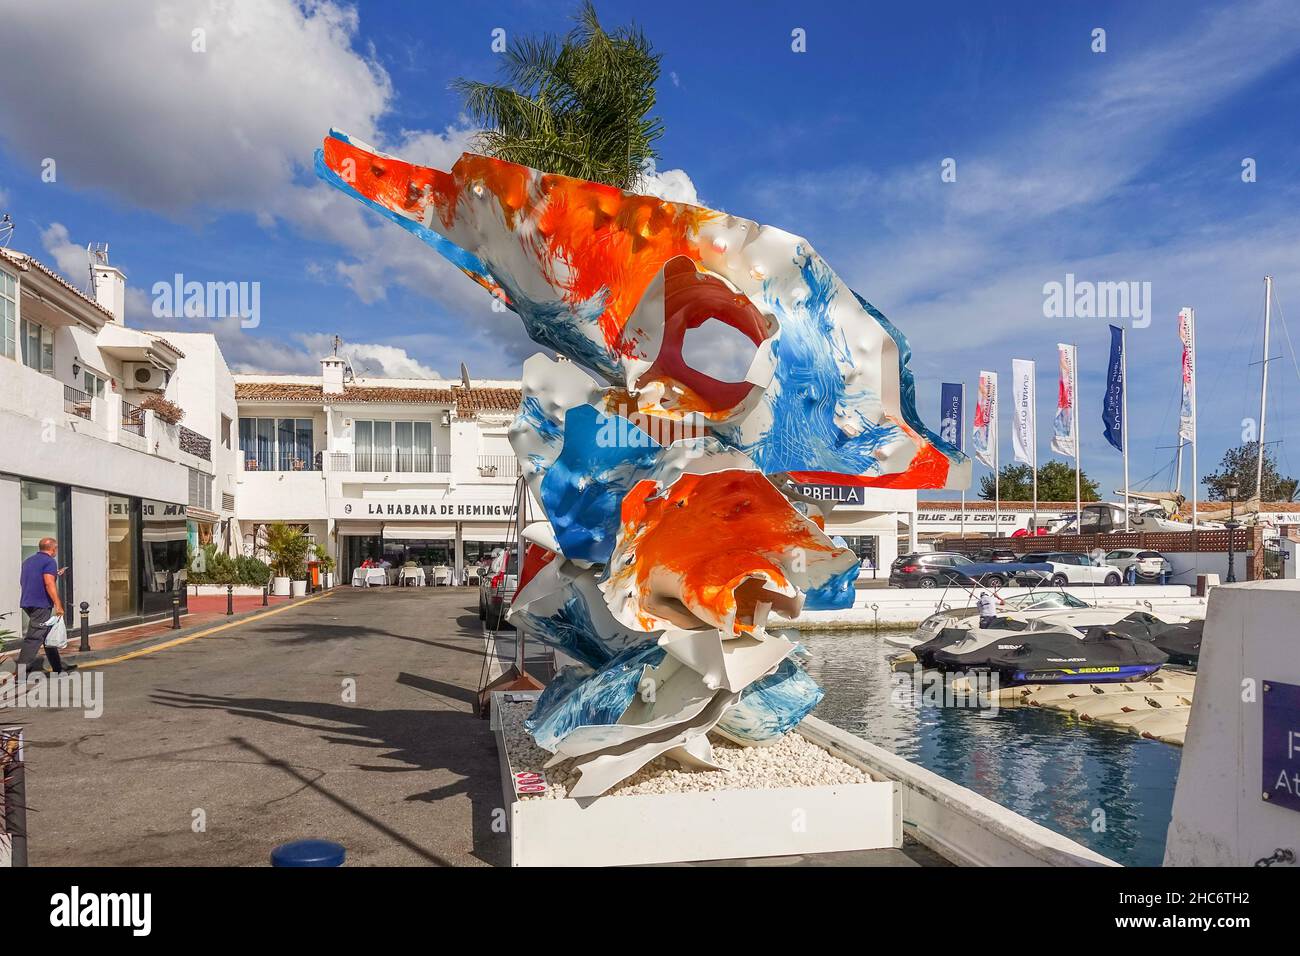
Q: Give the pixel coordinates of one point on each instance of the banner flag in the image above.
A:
(1112, 408)
(1187, 416)
(1023, 436)
(1064, 440)
(950, 415)
(984, 427)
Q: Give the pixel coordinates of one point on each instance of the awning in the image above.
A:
(401, 531)
(360, 528)
(475, 532)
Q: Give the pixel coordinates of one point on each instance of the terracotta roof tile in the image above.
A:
(466, 402)
(22, 259)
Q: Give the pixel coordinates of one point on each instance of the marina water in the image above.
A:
(1108, 790)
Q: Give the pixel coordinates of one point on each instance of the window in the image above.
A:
(92, 384)
(277, 444)
(200, 489)
(37, 346)
(225, 431)
(393, 446)
(8, 314)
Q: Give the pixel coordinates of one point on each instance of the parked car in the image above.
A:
(996, 556)
(1070, 568)
(945, 568)
(1150, 564)
(496, 588)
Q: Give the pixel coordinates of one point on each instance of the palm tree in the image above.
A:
(576, 105)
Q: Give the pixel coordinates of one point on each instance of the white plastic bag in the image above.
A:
(57, 635)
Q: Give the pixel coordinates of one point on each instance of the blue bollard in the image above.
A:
(308, 853)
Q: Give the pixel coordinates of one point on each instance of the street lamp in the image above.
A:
(1232, 524)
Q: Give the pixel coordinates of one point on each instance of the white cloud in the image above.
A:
(71, 259)
(128, 106)
(673, 185)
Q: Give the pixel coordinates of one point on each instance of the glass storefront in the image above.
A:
(146, 557)
(164, 536)
(44, 514)
(123, 531)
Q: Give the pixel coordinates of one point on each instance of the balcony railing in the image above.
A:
(76, 402)
(132, 418)
(283, 463)
(388, 461)
(195, 444)
(498, 466)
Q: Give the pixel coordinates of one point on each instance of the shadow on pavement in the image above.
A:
(415, 740)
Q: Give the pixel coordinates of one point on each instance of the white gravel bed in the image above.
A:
(791, 762)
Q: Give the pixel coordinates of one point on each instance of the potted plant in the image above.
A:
(288, 547)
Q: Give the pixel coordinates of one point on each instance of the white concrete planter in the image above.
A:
(280, 586)
(298, 588)
(200, 590)
(328, 579)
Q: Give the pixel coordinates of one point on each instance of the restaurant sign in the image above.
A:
(449, 507)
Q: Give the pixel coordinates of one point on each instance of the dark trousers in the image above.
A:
(38, 625)
(986, 620)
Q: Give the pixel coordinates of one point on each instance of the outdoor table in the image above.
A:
(415, 575)
(359, 578)
(376, 577)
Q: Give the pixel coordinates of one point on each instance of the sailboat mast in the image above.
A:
(1263, 388)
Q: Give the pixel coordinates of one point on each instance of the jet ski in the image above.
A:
(1176, 635)
(1035, 651)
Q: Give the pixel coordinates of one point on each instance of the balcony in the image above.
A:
(390, 462)
(76, 402)
(498, 466)
(132, 418)
(284, 463)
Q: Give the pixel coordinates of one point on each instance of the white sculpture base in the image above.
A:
(678, 827)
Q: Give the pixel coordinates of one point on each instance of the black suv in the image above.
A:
(938, 569)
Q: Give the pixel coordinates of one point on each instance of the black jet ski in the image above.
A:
(1180, 640)
(1039, 652)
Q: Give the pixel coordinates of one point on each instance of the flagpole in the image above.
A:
(1123, 378)
(1033, 432)
(1078, 442)
(1191, 334)
(961, 441)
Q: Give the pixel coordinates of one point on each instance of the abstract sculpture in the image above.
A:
(674, 522)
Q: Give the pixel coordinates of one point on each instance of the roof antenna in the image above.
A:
(337, 343)
(464, 376)
(96, 254)
(6, 231)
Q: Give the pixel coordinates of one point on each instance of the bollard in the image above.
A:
(85, 626)
(265, 589)
(230, 599)
(176, 614)
(308, 853)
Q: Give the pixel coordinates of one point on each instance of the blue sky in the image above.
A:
(1115, 166)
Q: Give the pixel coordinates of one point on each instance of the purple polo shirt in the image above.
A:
(32, 580)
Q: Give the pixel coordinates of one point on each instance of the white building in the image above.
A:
(396, 468)
(90, 451)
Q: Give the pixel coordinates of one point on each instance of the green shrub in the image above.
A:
(251, 571)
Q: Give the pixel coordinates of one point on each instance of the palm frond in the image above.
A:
(576, 105)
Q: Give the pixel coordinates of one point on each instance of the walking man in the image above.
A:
(40, 601)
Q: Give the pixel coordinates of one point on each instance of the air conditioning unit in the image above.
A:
(145, 377)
